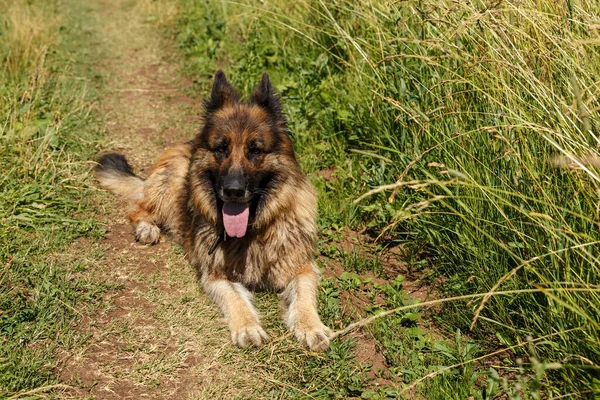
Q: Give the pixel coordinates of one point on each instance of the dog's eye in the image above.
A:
(255, 151)
(221, 149)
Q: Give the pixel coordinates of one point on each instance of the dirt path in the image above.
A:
(157, 335)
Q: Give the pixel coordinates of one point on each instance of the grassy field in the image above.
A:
(48, 132)
(473, 126)
(454, 146)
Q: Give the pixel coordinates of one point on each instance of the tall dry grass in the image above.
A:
(27, 32)
(160, 12)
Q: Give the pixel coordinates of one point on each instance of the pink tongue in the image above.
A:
(235, 218)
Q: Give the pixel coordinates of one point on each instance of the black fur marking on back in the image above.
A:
(114, 162)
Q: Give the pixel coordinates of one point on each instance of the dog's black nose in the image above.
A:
(234, 187)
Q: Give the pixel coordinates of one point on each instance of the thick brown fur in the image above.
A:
(249, 143)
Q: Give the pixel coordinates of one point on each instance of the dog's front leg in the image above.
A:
(235, 302)
(299, 301)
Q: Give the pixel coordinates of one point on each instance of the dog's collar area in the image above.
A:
(220, 237)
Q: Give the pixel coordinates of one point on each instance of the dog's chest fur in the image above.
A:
(264, 258)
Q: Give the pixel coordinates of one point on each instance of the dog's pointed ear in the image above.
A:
(222, 93)
(264, 96)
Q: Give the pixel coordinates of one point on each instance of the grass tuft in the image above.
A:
(27, 33)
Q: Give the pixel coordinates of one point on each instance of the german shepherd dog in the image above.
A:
(242, 206)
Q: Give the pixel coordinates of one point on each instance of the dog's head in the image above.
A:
(242, 153)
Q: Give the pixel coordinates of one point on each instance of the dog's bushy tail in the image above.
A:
(115, 174)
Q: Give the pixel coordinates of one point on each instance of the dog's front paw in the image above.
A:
(147, 233)
(248, 335)
(316, 338)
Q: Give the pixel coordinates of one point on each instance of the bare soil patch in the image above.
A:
(355, 304)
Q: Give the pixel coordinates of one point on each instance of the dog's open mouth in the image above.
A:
(235, 218)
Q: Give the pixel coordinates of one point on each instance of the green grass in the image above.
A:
(472, 109)
(47, 135)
